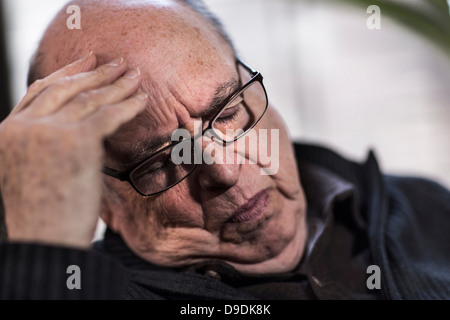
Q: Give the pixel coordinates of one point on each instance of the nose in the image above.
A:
(218, 175)
(222, 172)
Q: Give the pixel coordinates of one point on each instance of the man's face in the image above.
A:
(185, 64)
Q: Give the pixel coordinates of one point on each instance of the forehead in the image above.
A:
(171, 44)
(183, 59)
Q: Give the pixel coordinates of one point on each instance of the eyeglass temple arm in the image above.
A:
(114, 173)
(246, 66)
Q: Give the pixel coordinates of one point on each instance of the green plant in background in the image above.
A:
(428, 18)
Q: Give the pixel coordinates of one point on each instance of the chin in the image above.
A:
(286, 259)
(277, 249)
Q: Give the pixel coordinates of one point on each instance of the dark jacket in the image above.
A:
(407, 221)
(356, 217)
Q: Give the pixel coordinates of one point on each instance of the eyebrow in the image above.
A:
(143, 149)
(222, 94)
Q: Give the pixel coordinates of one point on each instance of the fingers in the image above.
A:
(99, 100)
(108, 119)
(85, 64)
(59, 93)
(88, 102)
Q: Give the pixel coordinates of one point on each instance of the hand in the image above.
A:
(51, 150)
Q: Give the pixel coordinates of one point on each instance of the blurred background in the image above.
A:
(335, 81)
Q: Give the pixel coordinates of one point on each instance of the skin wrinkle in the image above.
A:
(140, 152)
(189, 61)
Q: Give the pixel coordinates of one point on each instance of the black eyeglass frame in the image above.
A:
(126, 176)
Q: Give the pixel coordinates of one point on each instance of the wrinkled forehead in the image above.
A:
(176, 47)
(180, 54)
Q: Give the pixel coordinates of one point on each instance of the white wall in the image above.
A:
(26, 22)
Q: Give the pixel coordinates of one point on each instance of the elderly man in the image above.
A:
(95, 138)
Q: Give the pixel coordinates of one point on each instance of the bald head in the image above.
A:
(111, 27)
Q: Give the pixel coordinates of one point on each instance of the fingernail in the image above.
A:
(132, 73)
(116, 63)
(142, 96)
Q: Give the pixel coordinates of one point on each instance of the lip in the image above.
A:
(252, 210)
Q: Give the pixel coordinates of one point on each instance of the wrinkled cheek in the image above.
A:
(143, 221)
(140, 226)
(117, 204)
(175, 208)
(286, 176)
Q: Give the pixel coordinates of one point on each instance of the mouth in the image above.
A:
(252, 210)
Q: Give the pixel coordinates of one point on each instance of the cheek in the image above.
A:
(177, 208)
(121, 202)
(126, 211)
(287, 178)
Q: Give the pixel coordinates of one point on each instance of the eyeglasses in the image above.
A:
(238, 115)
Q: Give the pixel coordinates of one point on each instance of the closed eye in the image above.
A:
(156, 167)
(232, 112)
